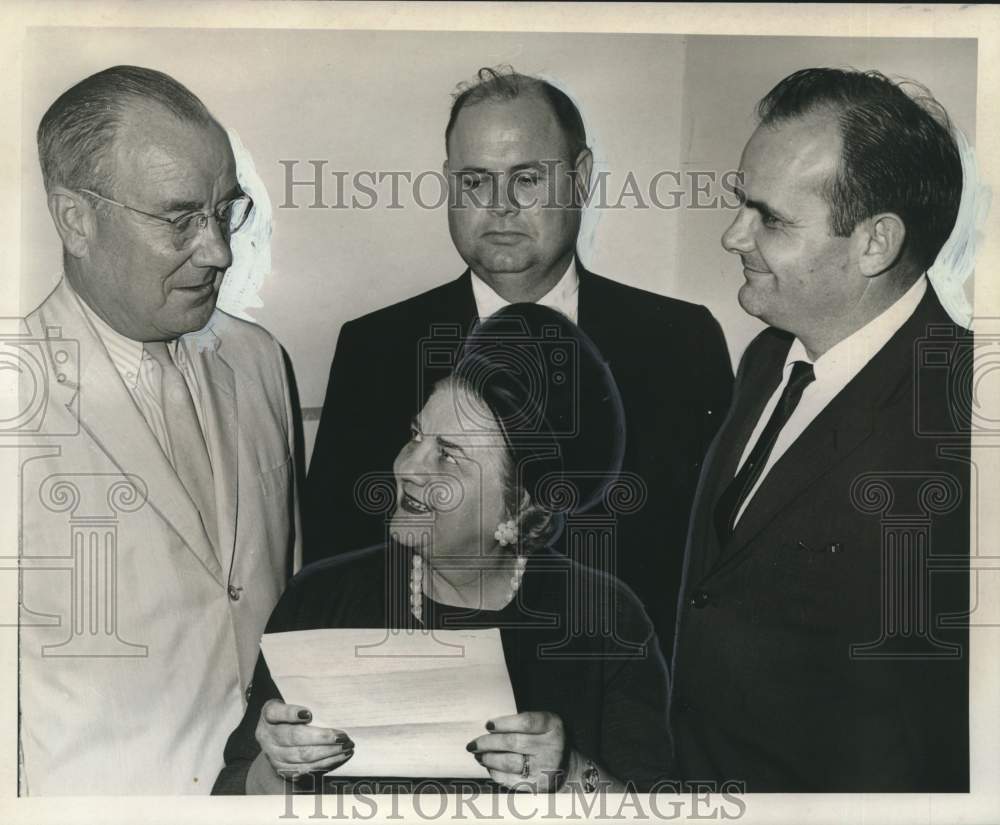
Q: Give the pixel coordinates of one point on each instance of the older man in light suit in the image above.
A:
(158, 498)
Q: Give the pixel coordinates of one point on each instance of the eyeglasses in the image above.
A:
(230, 215)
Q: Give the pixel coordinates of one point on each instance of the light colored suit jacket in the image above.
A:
(137, 642)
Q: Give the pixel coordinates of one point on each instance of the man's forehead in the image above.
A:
(156, 149)
(519, 130)
(801, 153)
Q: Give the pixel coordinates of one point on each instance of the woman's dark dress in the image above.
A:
(591, 658)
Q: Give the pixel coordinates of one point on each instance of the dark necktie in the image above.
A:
(739, 488)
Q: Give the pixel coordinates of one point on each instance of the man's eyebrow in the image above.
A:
(451, 445)
(181, 206)
(197, 206)
(759, 206)
(536, 165)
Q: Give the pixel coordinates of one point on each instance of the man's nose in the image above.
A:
(738, 238)
(504, 197)
(212, 247)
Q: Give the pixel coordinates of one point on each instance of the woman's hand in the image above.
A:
(293, 746)
(524, 751)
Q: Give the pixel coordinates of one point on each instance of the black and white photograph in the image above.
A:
(499, 411)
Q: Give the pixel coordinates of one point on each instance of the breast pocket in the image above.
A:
(274, 482)
(804, 585)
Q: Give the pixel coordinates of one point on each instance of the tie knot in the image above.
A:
(802, 375)
(158, 352)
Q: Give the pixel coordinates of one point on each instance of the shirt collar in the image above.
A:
(562, 296)
(125, 354)
(846, 358)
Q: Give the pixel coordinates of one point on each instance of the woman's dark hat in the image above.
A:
(555, 398)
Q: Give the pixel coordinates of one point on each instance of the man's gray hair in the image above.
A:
(77, 133)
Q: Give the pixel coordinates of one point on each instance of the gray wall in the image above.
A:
(378, 101)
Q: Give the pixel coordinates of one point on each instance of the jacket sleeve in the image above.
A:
(332, 522)
(295, 551)
(242, 747)
(636, 742)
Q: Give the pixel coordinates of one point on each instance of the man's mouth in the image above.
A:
(197, 288)
(413, 505)
(504, 237)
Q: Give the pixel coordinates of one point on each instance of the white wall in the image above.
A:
(371, 101)
(724, 79)
(364, 100)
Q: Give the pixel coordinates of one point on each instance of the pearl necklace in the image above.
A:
(417, 584)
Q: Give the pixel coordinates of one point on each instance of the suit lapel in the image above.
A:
(838, 431)
(834, 434)
(108, 414)
(591, 317)
(218, 390)
(458, 304)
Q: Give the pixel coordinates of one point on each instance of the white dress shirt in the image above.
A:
(834, 369)
(564, 296)
(141, 375)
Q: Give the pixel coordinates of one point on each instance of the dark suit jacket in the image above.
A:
(768, 689)
(670, 362)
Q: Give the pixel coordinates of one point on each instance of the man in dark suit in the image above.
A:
(822, 641)
(518, 168)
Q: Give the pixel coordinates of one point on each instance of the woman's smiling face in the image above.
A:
(451, 477)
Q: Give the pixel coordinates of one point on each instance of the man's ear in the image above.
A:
(582, 168)
(882, 239)
(74, 219)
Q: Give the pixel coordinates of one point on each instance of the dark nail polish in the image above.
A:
(490, 726)
(305, 715)
(471, 747)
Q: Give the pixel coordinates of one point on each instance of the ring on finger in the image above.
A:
(525, 765)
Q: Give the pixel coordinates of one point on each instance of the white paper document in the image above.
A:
(409, 700)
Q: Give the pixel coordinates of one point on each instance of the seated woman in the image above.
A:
(526, 430)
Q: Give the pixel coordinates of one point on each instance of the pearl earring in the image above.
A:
(506, 533)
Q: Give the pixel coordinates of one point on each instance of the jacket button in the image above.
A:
(699, 599)
(234, 593)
